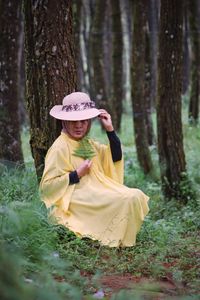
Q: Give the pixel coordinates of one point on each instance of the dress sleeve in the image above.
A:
(115, 146)
(54, 186)
(73, 177)
(114, 170)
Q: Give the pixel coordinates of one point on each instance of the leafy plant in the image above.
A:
(85, 149)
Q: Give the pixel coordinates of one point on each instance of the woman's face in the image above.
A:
(77, 129)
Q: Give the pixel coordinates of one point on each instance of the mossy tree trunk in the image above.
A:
(195, 63)
(50, 69)
(169, 124)
(10, 28)
(117, 65)
(97, 57)
(138, 84)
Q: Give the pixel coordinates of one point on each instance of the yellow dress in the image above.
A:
(99, 206)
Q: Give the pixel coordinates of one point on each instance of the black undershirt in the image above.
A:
(116, 151)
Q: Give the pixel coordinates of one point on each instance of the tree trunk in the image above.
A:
(169, 124)
(84, 46)
(82, 17)
(195, 64)
(10, 28)
(186, 54)
(77, 17)
(147, 93)
(117, 65)
(107, 49)
(126, 33)
(96, 47)
(138, 85)
(50, 69)
(153, 19)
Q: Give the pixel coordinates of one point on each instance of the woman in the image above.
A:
(87, 195)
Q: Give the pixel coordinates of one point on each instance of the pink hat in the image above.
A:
(76, 106)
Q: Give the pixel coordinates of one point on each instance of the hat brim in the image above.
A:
(86, 114)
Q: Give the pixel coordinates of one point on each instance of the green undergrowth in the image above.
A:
(39, 260)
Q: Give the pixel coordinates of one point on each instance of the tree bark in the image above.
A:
(138, 85)
(169, 124)
(126, 36)
(84, 46)
(107, 49)
(77, 17)
(117, 65)
(10, 28)
(153, 20)
(50, 69)
(147, 92)
(195, 63)
(96, 52)
(186, 52)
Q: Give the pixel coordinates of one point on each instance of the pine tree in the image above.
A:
(85, 149)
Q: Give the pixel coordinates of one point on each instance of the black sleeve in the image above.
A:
(73, 177)
(115, 146)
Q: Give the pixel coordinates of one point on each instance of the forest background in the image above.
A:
(139, 60)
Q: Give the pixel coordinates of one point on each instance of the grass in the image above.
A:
(39, 260)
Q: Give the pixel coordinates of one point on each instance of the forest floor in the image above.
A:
(141, 286)
(171, 278)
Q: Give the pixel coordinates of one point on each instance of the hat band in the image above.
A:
(78, 106)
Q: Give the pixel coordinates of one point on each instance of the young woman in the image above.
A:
(87, 195)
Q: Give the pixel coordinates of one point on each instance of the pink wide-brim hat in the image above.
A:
(76, 106)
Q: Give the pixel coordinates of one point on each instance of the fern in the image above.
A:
(85, 149)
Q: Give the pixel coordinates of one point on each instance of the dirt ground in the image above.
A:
(146, 288)
(141, 286)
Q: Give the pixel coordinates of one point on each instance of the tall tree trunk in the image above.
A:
(86, 47)
(96, 47)
(82, 32)
(23, 117)
(10, 28)
(117, 65)
(186, 54)
(169, 124)
(195, 64)
(138, 85)
(147, 93)
(77, 13)
(50, 69)
(107, 46)
(153, 19)
(126, 33)
(85, 35)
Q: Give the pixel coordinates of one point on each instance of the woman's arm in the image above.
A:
(83, 169)
(115, 146)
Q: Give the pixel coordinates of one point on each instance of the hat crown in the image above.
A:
(76, 98)
(75, 106)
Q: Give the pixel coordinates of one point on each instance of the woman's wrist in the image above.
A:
(78, 171)
(109, 128)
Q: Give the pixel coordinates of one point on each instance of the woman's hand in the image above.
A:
(105, 120)
(84, 168)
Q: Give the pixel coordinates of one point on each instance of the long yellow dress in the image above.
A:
(99, 206)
